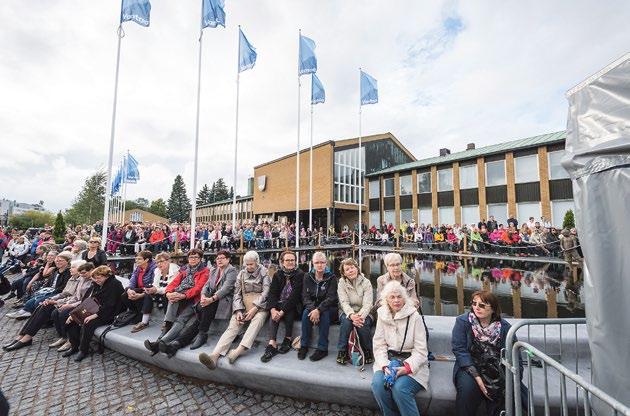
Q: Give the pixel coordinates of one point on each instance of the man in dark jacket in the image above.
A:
(319, 295)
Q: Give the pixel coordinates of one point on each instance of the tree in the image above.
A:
(204, 195)
(88, 206)
(31, 219)
(158, 207)
(220, 191)
(569, 220)
(213, 193)
(179, 207)
(231, 195)
(59, 230)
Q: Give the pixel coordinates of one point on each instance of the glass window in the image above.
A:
(559, 210)
(526, 210)
(406, 215)
(375, 219)
(348, 177)
(468, 176)
(446, 215)
(389, 187)
(389, 217)
(405, 185)
(495, 173)
(425, 216)
(526, 169)
(556, 171)
(470, 214)
(499, 211)
(445, 180)
(424, 183)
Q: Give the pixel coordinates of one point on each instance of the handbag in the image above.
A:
(86, 308)
(248, 298)
(400, 355)
(487, 359)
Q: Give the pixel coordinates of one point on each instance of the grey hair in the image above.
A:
(251, 256)
(394, 287)
(321, 255)
(77, 263)
(81, 243)
(391, 257)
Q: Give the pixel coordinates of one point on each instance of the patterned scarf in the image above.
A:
(489, 334)
(288, 288)
(188, 282)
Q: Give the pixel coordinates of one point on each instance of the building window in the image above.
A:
(499, 211)
(388, 184)
(348, 179)
(468, 176)
(559, 209)
(495, 173)
(389, 217)
(525, 210)
(470, 214)
(375, 191)
(405, 185)
(424, 183)
(526, 169)
(375, 219)
(445, 179)
(446, 215)
(556, 171)
(425, 216)
(406, 215)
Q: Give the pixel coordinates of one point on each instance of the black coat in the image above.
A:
(108, 297)
(278, 282)
(99, 259)
(319, 295)
(62, 279)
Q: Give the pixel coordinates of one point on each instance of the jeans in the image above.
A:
(33, 302)
(365, 333)
(400, 400)
(324, 326)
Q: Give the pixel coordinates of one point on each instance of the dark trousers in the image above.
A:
(38, 319)
(345, 328)
(81, 335)
(324, 325)
(469, 397)
(4, 405)
(287, 319)
(19, 285)
(59, 318)
(143, 305)
(206, 315)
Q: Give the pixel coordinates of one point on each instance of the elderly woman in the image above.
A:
(393, 263)
(401, 367)
(250, 308)
(135, 298)
(355, 301)
(94, 254)
(78, 247)
(163, 275)
(106, 291)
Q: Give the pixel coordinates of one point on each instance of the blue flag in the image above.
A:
(138, 11)
(308, 61)
(132, 172)
(117, 182)
(318, 95)
(213, 14)
(369, 90)
(246, 53)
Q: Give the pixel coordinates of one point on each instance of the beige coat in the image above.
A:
(355, 296)
(407, 282)
(389, 335)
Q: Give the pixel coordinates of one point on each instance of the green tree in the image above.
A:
(569, 220)
(221, 191)
(88, 206)
(204, 195)
(179, 206)
(213, 193)
(158, 207)
(59, 230)
(31, 219)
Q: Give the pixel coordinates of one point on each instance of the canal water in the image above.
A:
(445, 284)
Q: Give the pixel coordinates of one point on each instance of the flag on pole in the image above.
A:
(138, 11)
(308, 61)
(117, 182)
(213, 14)
(318, 95)
(369, 90)
(132, 172)
(246, 53)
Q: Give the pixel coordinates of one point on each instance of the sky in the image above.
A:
(449, 73)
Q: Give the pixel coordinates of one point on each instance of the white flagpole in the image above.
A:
(238, 78)
(124, 198)
(108, 186)
(360, 174)
(310, 173)
(193, 212)
(297, 157)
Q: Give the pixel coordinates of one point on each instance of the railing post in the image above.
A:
(397, 241)
(241, 247)
(177, 249)
(465, 251)
(286, 242)
(319, 240)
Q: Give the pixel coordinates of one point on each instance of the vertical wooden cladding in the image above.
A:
(560, 189)
(481, 186)
(510, 180)
(528, 192)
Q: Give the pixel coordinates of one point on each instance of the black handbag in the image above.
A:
(487, 360)
(400, 355)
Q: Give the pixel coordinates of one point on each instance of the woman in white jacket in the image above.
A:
(401, 367)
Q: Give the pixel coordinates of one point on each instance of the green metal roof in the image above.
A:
(529, 142)
(226, 201)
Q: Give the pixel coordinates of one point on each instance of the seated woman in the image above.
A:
(33, 267)
(106, 290)
(319, 296)
(135, 298)
(250, 308)
(43, 313)
(401, 367)
(163, 275)
(285, 297)
(355, 301)
(393, 263)
(478, 337)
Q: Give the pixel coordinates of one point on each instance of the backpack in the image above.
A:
(126, 318)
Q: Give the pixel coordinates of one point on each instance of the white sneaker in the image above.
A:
(13, 314)
(22, 314)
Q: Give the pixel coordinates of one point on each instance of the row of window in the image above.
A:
(348, 181)
(525, 170)
(471, 214)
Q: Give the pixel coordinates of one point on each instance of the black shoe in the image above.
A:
(8, 344)
(70, 352)
(342, 357)
(369, 357)
(199, 341)
(80, 356)
(302, 353)
(285, 346)
(172, 348)
(162, 346)
(318, 355)
(151, 346)
(11, 296)
(17, 345)
(270, 351)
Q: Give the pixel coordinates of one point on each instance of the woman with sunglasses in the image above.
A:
(478, 337)
(94, 254)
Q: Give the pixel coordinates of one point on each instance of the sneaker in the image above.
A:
(22, 314)
(318, 355)
(369, 357)
(270, 352)
(342, 357)
(302, 353)
(285, 346)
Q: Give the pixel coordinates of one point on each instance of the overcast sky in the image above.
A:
(448, 73)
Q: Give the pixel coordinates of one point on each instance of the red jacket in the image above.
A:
(201, 277)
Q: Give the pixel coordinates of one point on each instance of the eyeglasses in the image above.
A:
(93, 241)
(194, 257)
(480, 305)
(289, 260)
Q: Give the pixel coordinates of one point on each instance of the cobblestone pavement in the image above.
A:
(38, 381)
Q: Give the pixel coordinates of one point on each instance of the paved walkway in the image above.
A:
(38, 381)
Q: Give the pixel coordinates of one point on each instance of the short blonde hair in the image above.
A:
(391, 257)
(251, 256)
(393, 287)
(163, 256)
(321, 255)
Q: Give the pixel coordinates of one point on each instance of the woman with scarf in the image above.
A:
(478, 337)
(284, 304)
(136, 298)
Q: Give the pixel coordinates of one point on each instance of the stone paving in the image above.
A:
(38, 381)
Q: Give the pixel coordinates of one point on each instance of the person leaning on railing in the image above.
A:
(94, 254)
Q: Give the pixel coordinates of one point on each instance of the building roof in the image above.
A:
(226, 201)
(529, 142)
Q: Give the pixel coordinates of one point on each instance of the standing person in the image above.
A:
(135, 298)
(94, 254)
(319, 296)
(285, 304)
(393, 263)
(401, 366)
